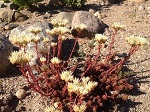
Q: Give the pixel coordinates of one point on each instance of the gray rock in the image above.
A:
(65, 15)
(93, 23)
(7, 15)
(10, 26)
(5, 50)
(18, 16)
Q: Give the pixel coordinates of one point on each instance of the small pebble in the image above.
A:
(21, 93)
(141, 7)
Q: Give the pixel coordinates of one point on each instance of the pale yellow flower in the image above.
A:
(80, 108)
(35, 30)
(118, 26)
(36, 38)
(20, 40)
(46, 39)
(55, 61)
(66, 75)
(58, 23)
(61, 30)
(54, 22)
(63, 37)
(50, 32)
(42, 59)
(81, 27)
(100, 38)
(81, 87)
(20, 57)
(136, 40)
(70, 87)
(53, 44)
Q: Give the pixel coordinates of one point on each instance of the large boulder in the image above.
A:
(5, 49)
(93, 23)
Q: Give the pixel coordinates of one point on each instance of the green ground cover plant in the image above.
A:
(94, 89)
(75, 3)
(25, 3)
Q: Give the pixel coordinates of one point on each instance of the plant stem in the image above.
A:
(72, 49)
(111, 46)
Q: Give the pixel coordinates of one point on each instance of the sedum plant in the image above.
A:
(25, 3)
(93, 89)
(74, 3)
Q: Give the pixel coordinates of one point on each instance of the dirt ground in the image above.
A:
(136, 17)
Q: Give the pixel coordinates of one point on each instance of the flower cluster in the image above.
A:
(35, 30)
(80, 108)
(20, 57)
(81, 27)
(136, 40)
(100, 38)
(118, 26)
(58, 31)
(81, 87)
(23, 39)
(55, 61)
(66, 75)
(57, 23)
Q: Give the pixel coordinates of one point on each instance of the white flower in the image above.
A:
(20, 57)
(42, 59)
(136, 40)
(66, 75)
(81, 27)
(118, 26)
(46, 39)
(100, 38)
(53, 44)
(55, 61)
(80, 108)
(54, 22)
(58, 23)
(35, 30)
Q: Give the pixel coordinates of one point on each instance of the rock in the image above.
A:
(10, 26)
(137, 1)
(65, 15)
(5, 49)
(7, 15)
(141, 7)
(21, 93)
(18, 16)
(93, 23)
